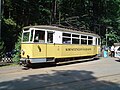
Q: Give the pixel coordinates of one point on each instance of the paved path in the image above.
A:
(103, 74)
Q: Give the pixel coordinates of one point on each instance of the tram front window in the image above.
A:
(26, 36)
(39, 36)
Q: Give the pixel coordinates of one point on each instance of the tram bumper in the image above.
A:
(24, 61)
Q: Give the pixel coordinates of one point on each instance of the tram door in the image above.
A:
(50, 46)
(39, 46)
(54, 40)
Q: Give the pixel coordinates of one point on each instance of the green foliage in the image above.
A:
(10, 31)
(95, 15)
(10, 22)
(16, 56)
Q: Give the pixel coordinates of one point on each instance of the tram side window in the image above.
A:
(39, 36)
(31, 38)
(66, 38)
(75, 41)
(66, 34)
(90, 40)
(98, 41)
(83, 39)
(50, 37)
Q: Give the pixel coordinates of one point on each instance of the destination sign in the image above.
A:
(77, 49)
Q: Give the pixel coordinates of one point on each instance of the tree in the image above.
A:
(9, 33)
(2, 48)
(94, 15)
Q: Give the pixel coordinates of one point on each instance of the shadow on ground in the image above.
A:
(60, 80)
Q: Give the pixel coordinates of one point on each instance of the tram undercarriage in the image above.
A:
(29, 62)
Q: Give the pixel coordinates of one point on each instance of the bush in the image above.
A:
(16, 56)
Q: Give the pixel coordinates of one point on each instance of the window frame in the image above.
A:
(86, 39)
(66, 37)
(27, 30)
(47, 36)
(90, 38)
(75, 38)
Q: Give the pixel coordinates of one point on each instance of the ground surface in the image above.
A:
(102, 74)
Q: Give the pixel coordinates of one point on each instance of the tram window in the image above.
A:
(83, 36)
(39, 36)
(26, 36)
(67, 40)
(98, 41)
(83, 41)
(89, 37)
(31, 35)
(75, 41)
(50, 37)
(90, 42)
(73, 35)
(67, 34)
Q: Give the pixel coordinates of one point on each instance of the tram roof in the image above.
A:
(64, 29)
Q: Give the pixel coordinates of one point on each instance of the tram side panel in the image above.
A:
(68, 51)
(39, 50)
(53, 51)
(78, 51)
(48, 52)
(33, 52)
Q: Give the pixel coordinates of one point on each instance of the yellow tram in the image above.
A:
(43, 43)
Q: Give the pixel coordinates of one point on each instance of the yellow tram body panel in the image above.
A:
(78, 50)
(26, 50)
(39, 50)
(58, 50)
(34, 50)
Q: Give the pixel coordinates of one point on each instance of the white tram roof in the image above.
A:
(57, 28)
